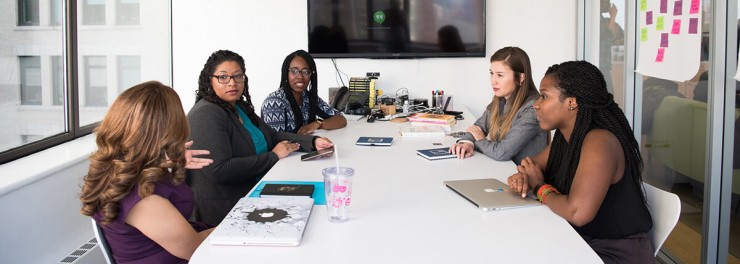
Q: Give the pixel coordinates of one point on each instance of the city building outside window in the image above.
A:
(30, 77)
(129, 72)
(93, 12)
(96, 81)
(127, 12)
(55, 12)
(28, 12)
(57, 80)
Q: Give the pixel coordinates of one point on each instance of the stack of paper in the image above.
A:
(422, 131)
(436, 119)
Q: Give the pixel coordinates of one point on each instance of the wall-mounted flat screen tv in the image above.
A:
(396, 28)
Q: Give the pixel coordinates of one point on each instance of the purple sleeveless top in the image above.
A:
(128, 244)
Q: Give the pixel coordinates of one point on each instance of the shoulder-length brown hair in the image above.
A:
(140, 141)
(518, 61)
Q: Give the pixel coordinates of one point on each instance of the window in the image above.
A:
(129, 72)
(38, 112)
(96, 81)
(682, 124)
(28, 12)
(57, 80)
(55, 12)
(30, 71)
(127, 12)
(93, 12)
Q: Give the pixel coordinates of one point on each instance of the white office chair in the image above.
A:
(104, 247)
(665, 208)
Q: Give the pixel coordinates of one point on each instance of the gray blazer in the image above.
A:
(236, 168)
(525, 138)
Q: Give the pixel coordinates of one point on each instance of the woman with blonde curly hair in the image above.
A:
(134, 187)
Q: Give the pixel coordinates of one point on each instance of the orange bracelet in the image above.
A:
(544, 191)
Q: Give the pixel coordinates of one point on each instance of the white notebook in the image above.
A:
(275, 221)
(422, 131)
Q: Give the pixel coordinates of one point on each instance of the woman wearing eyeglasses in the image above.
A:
(296, 106)
(242, 146)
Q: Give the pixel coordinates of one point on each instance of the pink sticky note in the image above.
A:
(676, 29)
(663, 6)
(664, 40)
(677, 8)
(695, 4)
(661, 53)
(693, 25)
(649, 18)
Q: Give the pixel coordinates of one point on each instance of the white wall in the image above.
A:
(264, 32)
(39, 200)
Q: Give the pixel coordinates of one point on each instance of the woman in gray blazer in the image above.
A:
(508, 129)
(242, 146)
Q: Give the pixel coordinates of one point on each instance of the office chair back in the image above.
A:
(665, 208)
(104, 247)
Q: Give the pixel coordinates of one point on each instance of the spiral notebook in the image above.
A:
(275, 221)
(436, 153)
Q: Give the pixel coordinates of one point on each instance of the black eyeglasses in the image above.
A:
(305, 72)
(224, 79)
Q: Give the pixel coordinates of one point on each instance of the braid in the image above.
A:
(205, 89)
(596, 109)
(313, 94)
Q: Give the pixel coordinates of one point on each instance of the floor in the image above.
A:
(684, 243)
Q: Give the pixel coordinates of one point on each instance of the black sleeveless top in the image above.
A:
(622, 213)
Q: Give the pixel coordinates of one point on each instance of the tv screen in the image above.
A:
(396, 28)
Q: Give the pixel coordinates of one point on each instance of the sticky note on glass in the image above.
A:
(677, 8)
(643, 5)
(661, 54)
(660, 23)
(693, 25)
(663, 6)
(643, 34)
(676, 29)
(695, 5)
(649, 18)
(664, 40)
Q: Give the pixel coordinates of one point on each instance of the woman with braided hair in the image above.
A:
(591, 172)
(296, 106)
(242, 146)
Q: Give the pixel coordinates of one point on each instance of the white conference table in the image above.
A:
(401, 211)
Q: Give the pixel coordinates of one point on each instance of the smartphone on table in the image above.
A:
(327, 152)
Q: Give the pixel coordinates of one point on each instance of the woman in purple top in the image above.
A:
(134, 187)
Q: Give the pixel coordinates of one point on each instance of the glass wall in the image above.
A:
(113, 53)
(672, 118)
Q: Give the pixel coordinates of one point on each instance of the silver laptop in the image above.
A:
(489, 194)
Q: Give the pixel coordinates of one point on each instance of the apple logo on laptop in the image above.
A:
(266, 215)
(489, 190)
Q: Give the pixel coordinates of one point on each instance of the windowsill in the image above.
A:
(39, 28)
(16, 174)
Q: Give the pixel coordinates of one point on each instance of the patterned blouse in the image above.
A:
(276, 111)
